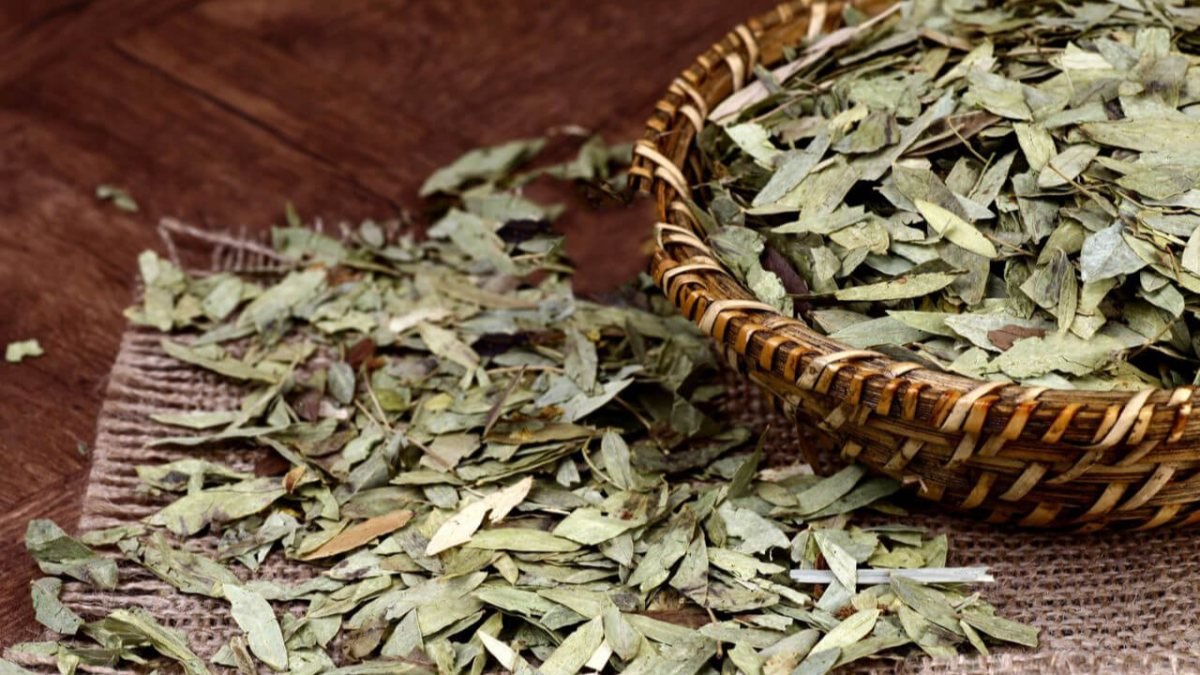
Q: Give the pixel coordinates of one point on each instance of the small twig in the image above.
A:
(1080, 186)
(596, 470)
(625, 404)
(967, 145)
(494, 413)
(167, 226)
(1006, 244)
(527, 367)
(364, 410)
(926, 575)
(378, 407)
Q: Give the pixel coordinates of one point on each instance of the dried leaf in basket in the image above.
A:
(513, 477)
(1023, 164)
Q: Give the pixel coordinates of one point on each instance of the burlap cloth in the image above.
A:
(1120, 602)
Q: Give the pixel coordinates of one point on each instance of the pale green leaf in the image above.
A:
(257, 620)
(58, 553)
(49, 610)
(913, 286)
(955, 229)
(15, 352)
(520, 539)
(486, 164)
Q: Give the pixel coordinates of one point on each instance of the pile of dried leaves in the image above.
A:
(1007, 190)
(487, 473)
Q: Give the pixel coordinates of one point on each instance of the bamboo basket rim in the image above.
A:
(658, 168)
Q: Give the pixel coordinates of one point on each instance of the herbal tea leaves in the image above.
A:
(483, 471)
(1039, 172)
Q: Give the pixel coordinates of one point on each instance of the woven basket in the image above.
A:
(1011, 454)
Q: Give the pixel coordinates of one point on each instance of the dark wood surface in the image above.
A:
(219, 111)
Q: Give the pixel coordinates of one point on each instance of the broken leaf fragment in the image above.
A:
(49, 610)
(486, 164)
(195, 511)
(58, 553)
(16, 352)
(117, 196)
(136, 626)
(461, 527)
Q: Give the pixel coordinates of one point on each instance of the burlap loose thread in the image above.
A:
(1107, 602)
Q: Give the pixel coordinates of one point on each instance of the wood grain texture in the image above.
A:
(38, 33)
(219, 111)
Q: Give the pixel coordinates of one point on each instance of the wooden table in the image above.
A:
(218, 112)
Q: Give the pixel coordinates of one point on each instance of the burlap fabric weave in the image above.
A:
(1106, 603)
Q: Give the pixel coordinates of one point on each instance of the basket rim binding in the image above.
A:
(765, 344)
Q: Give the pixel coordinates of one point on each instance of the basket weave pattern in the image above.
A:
(1012, 454)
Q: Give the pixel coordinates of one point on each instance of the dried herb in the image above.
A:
(49, 610)
(118, 197)
(254, 615)
(1008, 190)
(17, 352)
(60, 554)
(506, 476)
